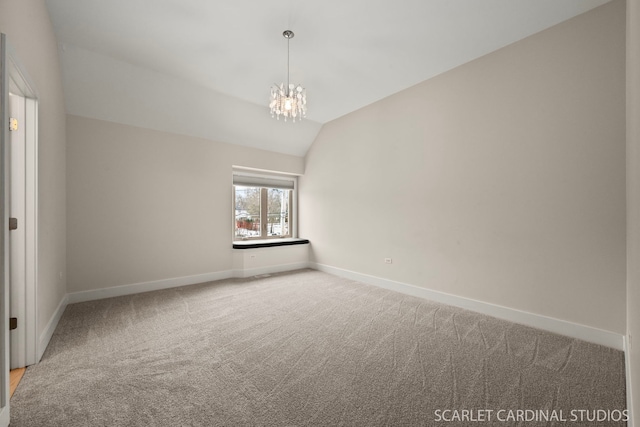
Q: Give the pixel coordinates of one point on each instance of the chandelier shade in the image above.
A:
(290, 100)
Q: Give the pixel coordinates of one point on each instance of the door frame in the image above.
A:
(13, 77)
(24, 340)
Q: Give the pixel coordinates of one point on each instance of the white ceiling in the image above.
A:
(204, 68)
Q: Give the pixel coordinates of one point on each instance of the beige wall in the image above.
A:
(502, 180)
(29, 31)
(633, 199)
(145, 205)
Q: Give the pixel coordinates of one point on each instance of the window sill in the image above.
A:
(252, 244)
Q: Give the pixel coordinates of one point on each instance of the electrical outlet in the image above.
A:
(388, 260)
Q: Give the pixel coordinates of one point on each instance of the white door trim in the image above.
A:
(31, 222)
(4, 226)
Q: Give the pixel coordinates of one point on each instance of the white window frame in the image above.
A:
(263, 180)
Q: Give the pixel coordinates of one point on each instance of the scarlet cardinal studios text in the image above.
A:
(531, 415)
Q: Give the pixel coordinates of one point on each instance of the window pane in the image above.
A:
(278, 212)
(247, 212)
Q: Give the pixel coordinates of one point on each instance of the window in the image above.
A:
(262, 207)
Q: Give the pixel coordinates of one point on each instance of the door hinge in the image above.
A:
(13, 323)
(13, 223)
(13, 124)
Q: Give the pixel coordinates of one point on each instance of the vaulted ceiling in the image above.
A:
(204, 68)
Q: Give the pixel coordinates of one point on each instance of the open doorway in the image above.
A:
(19, 101)
(22, 211)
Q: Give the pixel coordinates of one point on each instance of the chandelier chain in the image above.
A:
(288, 68)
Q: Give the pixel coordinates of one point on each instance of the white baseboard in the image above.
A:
(136, 288)
(46, 335)
(562, 327)
(250, 272)
(155, 285)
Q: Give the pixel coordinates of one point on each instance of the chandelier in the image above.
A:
(289, 101)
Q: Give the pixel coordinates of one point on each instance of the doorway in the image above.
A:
(17, 97)
(22, 211)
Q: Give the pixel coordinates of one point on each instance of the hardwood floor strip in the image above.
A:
(15, 377)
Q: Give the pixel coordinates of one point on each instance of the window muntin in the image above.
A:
(262, 212)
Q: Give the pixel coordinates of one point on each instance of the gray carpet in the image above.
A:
(304, 349)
